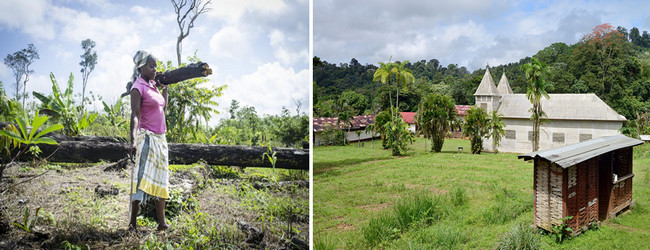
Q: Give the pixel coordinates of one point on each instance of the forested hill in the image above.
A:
(612, 63)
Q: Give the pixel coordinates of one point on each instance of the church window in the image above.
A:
(511, 134)
(530, 135)
(558, 137)
(585, 137)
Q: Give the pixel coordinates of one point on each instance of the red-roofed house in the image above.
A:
(358, 123)
(462, 110)
(409, 118)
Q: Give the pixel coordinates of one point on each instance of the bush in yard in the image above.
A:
(520, 236)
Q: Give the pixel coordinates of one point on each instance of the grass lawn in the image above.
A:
(361, 191)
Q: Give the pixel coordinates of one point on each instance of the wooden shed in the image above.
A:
(591, 181)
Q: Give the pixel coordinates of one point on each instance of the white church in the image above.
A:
(571, 118)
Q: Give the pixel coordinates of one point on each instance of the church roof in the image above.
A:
(560, 107)
(487, 86)
(504, 86)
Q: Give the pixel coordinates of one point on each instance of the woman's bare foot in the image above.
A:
(163, 227)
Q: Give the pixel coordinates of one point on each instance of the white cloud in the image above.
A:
(269, 88)
(285, 53)
(232, 11)
(231, 42)
(27, 16)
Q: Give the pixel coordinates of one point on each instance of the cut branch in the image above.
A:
(190, 71)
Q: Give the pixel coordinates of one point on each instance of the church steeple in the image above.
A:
(504, 85)
(487, 87)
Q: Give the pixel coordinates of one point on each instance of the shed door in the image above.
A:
(604, 184)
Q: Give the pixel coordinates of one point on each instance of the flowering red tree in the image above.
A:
(604, 43)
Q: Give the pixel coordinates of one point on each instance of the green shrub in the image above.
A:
(520, 236)
(224, 172)
(422, 209)
(445, 237)
(383, 228)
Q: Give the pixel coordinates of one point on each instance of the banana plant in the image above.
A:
(114, 113)
(61, 107)
(25, 136)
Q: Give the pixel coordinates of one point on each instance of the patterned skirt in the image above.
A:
(151, 171)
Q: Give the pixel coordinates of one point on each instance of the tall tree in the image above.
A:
(536, 74)
(383, 74)
(496, 126)
(185, 17)
(88, 62)
(476, 127)
(404, 77)
(434, 118)
(19, 63)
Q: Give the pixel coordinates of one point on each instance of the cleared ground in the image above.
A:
(209, 207)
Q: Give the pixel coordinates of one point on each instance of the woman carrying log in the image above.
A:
(150, 179)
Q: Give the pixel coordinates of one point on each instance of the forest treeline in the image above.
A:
(613, 63)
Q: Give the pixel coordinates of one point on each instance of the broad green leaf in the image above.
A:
(45, 140)
(36, 123)
(13, 136)
(22, 125)
(49, 129)
(68, 91)
(107, 108)
(55, 87)
(44, 99)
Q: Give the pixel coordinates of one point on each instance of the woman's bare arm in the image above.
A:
(135, 116)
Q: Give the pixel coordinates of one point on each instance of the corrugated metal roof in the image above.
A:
(358, 122)
(408, 117)
(645, 137)
(504, 85)
(462, 109)
(560, 107)
(487, 87)
(573, 154)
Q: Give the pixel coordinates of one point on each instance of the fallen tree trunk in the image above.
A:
(187, 72)
(96, 150)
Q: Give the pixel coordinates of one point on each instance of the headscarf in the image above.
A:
(140, 59)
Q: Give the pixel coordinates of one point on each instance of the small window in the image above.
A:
(558, 137)
(484, 106)
(511, 134)
(530, 135)
(585, 137)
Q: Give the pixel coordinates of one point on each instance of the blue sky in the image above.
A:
(260, 49)
(469, 33)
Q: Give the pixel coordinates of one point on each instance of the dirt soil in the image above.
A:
(83, 205)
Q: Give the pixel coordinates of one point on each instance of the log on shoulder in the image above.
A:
(179, 153)
(187, 72)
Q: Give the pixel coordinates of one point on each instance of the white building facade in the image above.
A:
(571, 118)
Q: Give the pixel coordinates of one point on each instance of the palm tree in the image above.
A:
(496, 129)
(536, 73)
(371, 128)
(403, 76)
(434, 117)
(476, 127)
(383, 74)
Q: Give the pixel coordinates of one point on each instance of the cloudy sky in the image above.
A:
(469, 33)
(259, 48)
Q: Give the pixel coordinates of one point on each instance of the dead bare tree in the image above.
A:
(186, 14)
